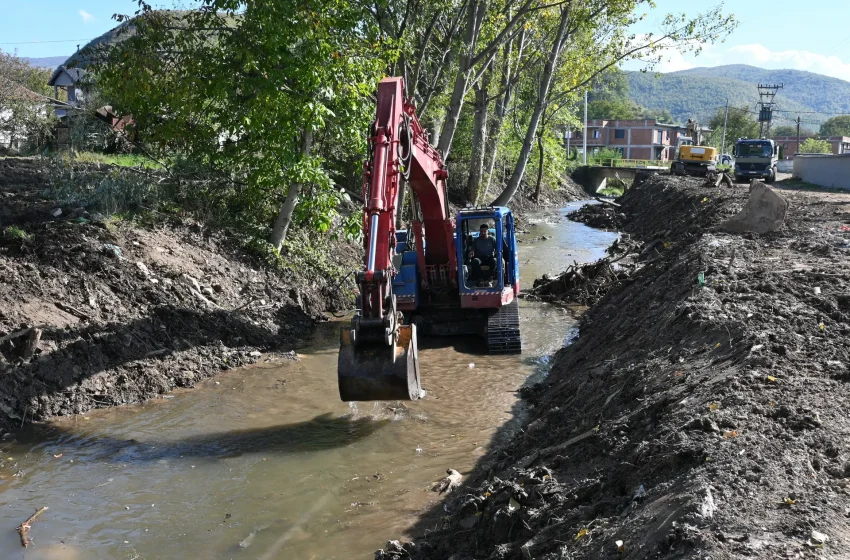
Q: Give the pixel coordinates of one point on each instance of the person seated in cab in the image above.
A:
(483, 253)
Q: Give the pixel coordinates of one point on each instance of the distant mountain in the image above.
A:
(699, 92)
(50, 62)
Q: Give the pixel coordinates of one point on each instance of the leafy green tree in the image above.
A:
(25, 116)
(790, 130)
(253, 90)
(836, 126)
(740, 124)
(815, 146)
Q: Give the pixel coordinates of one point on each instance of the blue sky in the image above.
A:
(27, 25)
(775, 34)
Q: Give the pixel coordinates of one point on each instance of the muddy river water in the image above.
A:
(266, 462)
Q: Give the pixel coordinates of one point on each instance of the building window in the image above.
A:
(659, 136)
(619, 133)
(596, 133)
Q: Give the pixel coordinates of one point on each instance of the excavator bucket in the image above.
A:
(377, 372)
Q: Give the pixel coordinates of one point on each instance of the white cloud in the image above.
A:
(759, 55)
(87, 17)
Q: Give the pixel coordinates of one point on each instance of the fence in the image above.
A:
(637, 163)
(825, 170)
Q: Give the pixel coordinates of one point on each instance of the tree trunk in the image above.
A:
(505, 86)
(474, 16)
(539, 167)
(284, 218)
(479, 138)
(542, 96)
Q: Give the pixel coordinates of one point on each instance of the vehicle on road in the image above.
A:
(691, 157)
(756, 158)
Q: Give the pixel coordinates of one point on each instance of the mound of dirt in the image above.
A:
(126, 312)
(702, 411)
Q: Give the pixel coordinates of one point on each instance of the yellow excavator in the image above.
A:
(691, 157)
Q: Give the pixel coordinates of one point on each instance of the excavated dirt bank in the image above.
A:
(703, 410)
(128, 312)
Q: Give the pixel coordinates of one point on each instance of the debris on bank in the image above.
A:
(700, 413)
(586, 284)
(602, 215)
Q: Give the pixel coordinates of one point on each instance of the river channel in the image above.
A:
(266, 462)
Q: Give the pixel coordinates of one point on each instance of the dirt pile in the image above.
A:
(599, 216)
(127, 312)
(702, 412)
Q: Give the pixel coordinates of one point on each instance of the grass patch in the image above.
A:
(615, 192)
(14, 233)
(120, 160)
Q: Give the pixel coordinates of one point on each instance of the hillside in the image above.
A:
(698, 92)
(49, 62)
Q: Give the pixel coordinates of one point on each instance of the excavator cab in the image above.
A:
(485, 282)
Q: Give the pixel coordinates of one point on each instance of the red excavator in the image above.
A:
(425, 278)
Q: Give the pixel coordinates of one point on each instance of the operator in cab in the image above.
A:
(483, 251)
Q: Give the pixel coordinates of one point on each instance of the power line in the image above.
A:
(43, 42)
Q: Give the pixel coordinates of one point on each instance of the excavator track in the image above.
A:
(503, 330)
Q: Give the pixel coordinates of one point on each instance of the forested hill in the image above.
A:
(698, 92)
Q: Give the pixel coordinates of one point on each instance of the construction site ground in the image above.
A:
(702, 412)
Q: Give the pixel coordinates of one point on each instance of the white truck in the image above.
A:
(756, 158)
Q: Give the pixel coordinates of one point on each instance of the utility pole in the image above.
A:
(725, 119)
(584, 148)
(766, 95)
(797, 151)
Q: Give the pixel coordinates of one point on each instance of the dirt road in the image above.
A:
(702, 412)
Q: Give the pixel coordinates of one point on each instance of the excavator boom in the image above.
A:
(378, 357)
(426, 269)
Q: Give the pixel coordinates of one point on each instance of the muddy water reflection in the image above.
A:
(266, 462)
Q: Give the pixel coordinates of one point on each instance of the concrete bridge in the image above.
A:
(594, 178)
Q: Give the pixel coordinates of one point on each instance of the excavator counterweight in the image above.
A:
(434, 273)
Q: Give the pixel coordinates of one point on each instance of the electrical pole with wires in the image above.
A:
(798, 135)
(766, 105)
(725, 120)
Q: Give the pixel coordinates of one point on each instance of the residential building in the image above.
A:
(71, 80)
(840, 144)
(17, 106)
(645, 139)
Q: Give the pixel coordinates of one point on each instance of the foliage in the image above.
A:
(14, 233)
(836, 126)
(790, 130)
(235, 86)
(609, 98)
(120, 160)
(740, 124)
(815, 146)
(26, 119)
(604, 154)
(260, 109)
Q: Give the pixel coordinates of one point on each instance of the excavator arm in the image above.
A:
(378, 357)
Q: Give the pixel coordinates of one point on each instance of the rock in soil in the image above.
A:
(702, 412)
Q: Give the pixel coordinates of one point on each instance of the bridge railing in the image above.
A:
(636, 163)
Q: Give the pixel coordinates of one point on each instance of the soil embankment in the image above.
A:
(702, 412)
(127, 312)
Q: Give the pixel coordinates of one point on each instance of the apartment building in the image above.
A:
(840, 144)
(635, 139)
